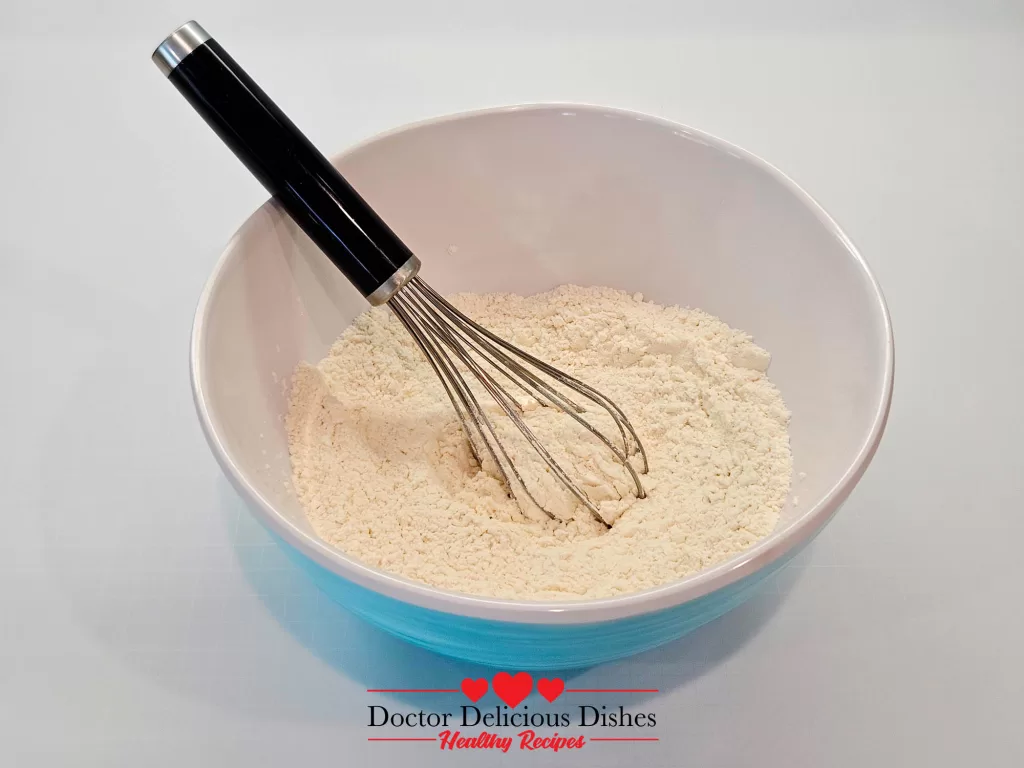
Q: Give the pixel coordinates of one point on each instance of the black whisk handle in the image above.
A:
(304, 182)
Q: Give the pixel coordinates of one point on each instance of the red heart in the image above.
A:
(512, 690)
(550, 689)
(474, 689)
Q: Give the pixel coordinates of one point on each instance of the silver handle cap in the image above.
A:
(179, 44)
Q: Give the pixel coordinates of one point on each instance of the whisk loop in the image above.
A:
(452, 342)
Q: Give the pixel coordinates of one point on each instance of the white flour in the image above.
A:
(385, 473)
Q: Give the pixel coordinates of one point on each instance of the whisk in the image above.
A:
(385, 271)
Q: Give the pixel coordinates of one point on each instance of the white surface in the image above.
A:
(146, 621)
(530, 198)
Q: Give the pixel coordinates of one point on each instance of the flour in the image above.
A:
(385, 473)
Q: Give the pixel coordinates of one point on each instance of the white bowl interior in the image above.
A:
(525, 200)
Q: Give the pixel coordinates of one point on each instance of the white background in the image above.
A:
(145, 620)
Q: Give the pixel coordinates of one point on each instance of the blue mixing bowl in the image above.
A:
(523, 199)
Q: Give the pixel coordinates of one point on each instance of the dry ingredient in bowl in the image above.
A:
(385, 473)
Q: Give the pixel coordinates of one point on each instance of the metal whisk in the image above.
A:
(384, 270)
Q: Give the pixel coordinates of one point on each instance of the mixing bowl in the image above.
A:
(523, 199)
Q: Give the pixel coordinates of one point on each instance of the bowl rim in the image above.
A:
(672, 594)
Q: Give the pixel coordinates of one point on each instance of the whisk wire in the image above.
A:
(442, 332)
(506, 403)
(463, 400)
(571, 382)
(554, 398)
